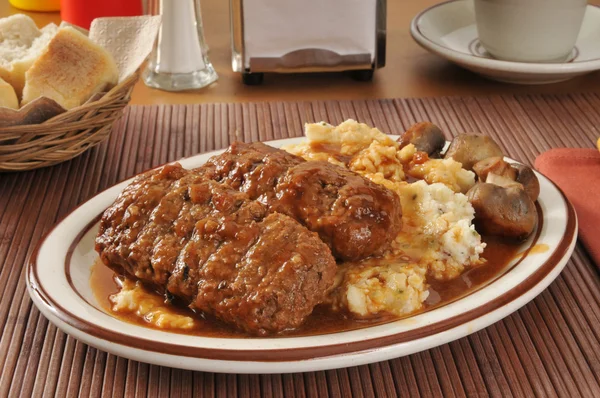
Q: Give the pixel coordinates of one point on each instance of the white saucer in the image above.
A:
(448, 30)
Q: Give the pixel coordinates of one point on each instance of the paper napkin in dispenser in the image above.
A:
(274, 28)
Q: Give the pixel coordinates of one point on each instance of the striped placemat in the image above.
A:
(550, 347)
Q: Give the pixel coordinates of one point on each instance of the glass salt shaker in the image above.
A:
(179, 60)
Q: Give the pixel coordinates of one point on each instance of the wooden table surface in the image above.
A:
(410, 71)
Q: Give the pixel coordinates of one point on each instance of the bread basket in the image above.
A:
(64, 136)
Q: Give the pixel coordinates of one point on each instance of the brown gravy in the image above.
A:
(331, 149)
(498, 254)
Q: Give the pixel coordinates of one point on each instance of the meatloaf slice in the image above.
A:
(123, 221)
(155, 250)
(215, 249)
(252, 168)
(225, 209)
(268, 278)
(353, 215)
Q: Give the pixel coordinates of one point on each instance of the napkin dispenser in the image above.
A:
(291, 36)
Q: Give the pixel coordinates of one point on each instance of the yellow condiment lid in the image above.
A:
(36, 5)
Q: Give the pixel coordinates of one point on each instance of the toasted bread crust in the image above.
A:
(70, 71)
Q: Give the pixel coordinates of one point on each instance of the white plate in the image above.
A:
(58, 280)
(448, 30)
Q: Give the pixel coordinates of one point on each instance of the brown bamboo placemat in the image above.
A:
(550, 347)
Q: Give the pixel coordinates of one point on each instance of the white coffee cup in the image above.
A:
(529, 30)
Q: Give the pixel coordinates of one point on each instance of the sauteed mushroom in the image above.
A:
(495, 165)
(502, 181)
(504, 211)
(527, 178)
(426, 137)
(469, 149)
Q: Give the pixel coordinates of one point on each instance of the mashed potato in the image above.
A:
(134, 299)
(437, 240)
(351, 137)
(366, 288)
(446, 171)
(356, 146)
(437, 229)
(373, 154)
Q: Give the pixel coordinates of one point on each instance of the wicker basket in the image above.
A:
(65, 136)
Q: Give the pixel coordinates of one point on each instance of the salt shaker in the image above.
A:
(179, 60)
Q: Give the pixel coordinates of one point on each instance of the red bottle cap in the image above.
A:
(83, 12)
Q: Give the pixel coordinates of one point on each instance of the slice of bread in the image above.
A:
(21, 43)
(70, 70)
(8, 97)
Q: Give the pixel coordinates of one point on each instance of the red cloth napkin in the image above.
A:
(577, 173)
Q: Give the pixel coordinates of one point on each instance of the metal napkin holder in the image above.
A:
(309, 59)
